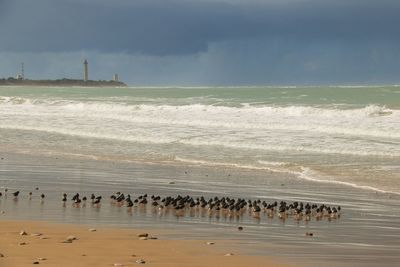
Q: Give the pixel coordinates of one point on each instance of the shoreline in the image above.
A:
(110, 246)
(347, 241)
(61, 83)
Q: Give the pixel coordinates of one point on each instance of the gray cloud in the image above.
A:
(187, 27)
(191, 42)
(225, 63)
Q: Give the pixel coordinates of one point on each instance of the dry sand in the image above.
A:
(43, 244)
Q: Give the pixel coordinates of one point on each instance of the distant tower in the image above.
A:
(85, 71)
(115, 78)
(20, 76)
(22, 71)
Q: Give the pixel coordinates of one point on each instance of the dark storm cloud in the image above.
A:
(182, 27)
(3, 8)
(204, 42)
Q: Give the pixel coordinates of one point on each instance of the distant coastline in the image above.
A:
(60, 82)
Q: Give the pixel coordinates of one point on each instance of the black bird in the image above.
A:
(15, 194)
(76, 196)
(42, 196)
(256, 208)
(120, 198)
(129, 202)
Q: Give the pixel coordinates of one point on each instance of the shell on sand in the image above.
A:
(71, 238)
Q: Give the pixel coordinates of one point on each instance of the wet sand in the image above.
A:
(367, 234)
(43, 244)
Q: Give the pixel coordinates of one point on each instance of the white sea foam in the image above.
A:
(310, 175)
(227, 165)
(87, 134)
(372, 120)
(328, 148)
(243, 131)
(274, 163)
(300, 172)
(369, 131)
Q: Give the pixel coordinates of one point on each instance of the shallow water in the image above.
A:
(366, 234)
(333, 144)
(344, 135)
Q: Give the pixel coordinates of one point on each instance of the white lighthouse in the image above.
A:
(85, 71)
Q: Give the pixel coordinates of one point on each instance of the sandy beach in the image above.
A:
(182, 240)
(208, 160)
(44, 244)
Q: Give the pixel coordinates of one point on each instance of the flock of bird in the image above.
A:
(227, 206)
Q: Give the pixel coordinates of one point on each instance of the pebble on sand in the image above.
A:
(309, 234)
(92, 230)
(22, 243)
(41, 259)
(23, 232)
(35, 262)
(143, 238)
(210, 243)
(140, 261)
(240, 228)
(1, 255)
(118, 264)
(229, 254)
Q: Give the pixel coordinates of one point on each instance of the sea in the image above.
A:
(331, 144)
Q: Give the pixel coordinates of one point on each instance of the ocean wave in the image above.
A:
(86, 134)
(341, 150)
(368, 131)
(311, 175)
(226, 164)
(245, 108)
(372, 120)
(207, 141)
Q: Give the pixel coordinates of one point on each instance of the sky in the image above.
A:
(204, 42)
